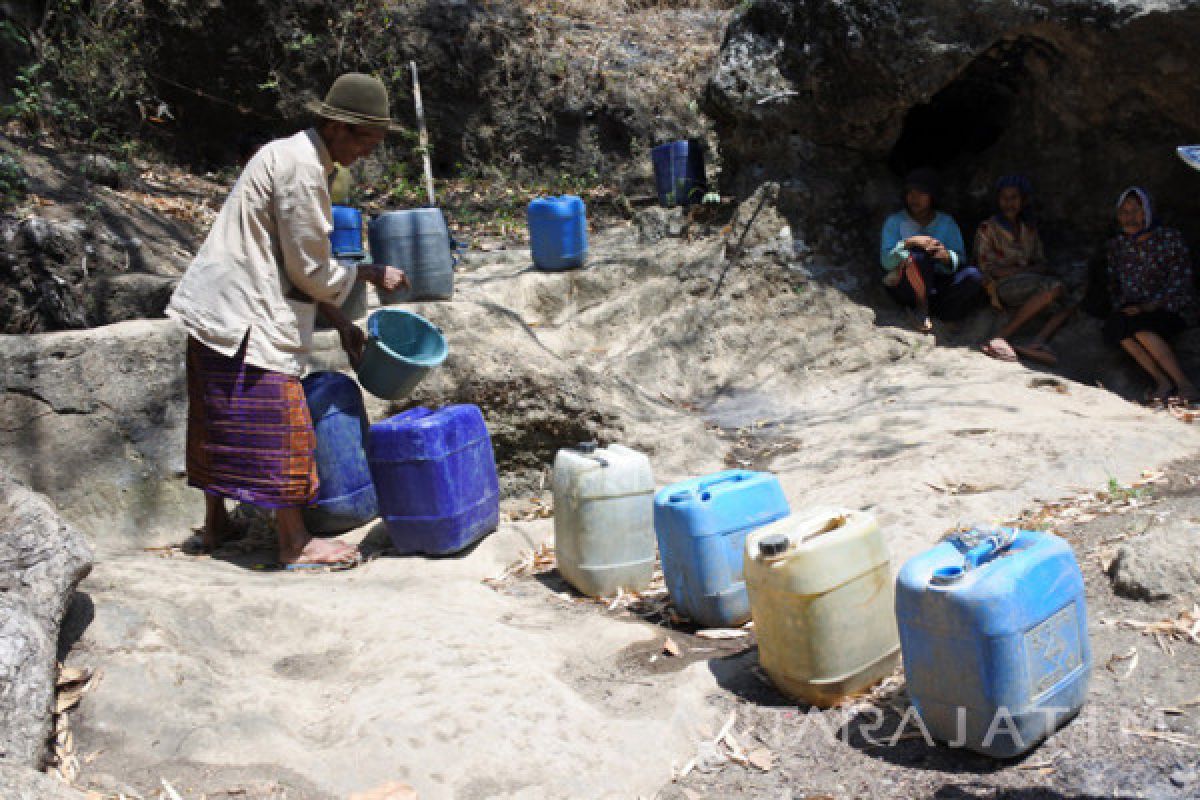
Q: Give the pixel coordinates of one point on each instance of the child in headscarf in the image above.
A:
(1150, 282)
(1009, 251)
(923, 257)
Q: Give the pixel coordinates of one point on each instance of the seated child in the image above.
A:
(923, 257)
(1009, 252)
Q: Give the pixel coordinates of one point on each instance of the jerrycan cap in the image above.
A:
(774, 545)
(946, 576)
(587, 448)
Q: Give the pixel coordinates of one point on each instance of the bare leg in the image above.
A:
(217, 527)
(1162, 354)
(1052, 325)
(1033, 306)
(296, 544)
(1163, 385)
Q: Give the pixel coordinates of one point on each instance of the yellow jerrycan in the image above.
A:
(821, 595)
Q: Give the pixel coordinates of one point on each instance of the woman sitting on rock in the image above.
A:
(923, 256)
(1150, 283)
(1009, 251)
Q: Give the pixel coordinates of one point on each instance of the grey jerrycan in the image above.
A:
(418, 242)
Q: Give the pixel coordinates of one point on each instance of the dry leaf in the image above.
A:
(392, 790)
(1131, 655)
(722, 633)
(761, 758)
(670, 648)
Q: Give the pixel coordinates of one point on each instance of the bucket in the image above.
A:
(401, 348)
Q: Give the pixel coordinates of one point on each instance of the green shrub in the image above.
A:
(13, 186)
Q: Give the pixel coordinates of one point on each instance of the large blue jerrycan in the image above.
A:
(417, 241)
(346, 238)
(346, 498)
(557, 232)
(993, 632)
(402, 347)
(679, 172)
(436, 477)
(701, 525)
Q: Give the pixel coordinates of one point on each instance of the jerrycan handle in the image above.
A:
(991, 542)
(588, 449)
(704, 486)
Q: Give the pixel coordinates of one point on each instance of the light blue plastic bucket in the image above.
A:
(401, 348)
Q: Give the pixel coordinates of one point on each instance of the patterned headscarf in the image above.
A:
(1147, 208)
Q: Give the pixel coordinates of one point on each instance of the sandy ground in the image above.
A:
(217, 675)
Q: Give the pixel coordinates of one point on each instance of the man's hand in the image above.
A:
(385, 278)
(922, 242)
(938, 251)
(353, 341)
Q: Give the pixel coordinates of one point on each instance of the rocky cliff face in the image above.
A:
(836, 100)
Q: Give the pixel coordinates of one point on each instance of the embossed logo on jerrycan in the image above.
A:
(820, 585)
(419, 242)
(604, 518)
(993, 625)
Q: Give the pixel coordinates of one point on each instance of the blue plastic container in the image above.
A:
(346, 237)
(557, 232)
(679, 173)
(346, 498)
(993, 631)
(402, 347)
(436, 478)
(701, 525)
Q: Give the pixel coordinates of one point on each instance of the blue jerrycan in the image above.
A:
(701, 526)
(346, 497)
(993, 632)
(557, 232)
(436, 476)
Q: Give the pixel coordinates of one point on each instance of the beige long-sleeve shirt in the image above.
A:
(267, 260)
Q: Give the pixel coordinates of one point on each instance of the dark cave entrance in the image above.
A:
(969, 115)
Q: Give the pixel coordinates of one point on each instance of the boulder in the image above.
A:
(42, 560)
(1161, 565)
(96, 420)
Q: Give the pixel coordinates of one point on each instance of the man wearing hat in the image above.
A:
(924, 258)
(249, 301)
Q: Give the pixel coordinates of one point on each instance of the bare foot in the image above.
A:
(999, 349)
(321, 551)
(1037, 351)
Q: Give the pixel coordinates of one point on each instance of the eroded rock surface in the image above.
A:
(1162, 564)
(42, 559)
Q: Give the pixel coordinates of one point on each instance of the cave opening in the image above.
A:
(970, 114)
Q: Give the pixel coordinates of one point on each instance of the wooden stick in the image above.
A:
(423, 136)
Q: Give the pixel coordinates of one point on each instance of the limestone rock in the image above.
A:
(27, 672)
(42, 560)
(18, 783)
(96, 420)
(1161, 565)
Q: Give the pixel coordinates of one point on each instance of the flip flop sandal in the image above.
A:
(1038, 353)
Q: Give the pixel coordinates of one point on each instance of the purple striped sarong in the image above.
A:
(249, 435)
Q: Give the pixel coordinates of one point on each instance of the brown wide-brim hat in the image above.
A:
(357, 99)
